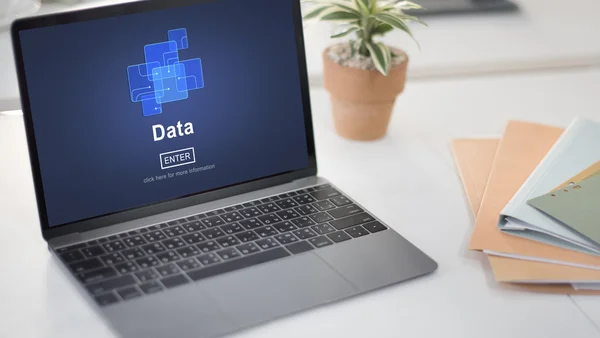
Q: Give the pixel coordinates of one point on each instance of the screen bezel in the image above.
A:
(161, 207)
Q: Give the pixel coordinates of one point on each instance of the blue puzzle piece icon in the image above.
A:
(171, 81)
(180, 37)
(140, 80)
(194, 76)
(161, 52)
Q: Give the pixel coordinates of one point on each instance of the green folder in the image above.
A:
(576, 206)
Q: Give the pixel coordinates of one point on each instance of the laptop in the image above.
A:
(173, 158)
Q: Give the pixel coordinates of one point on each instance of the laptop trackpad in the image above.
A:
(267, 291)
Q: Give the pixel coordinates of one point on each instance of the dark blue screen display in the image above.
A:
(143, 108)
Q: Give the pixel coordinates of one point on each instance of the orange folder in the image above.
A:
(522, 147)
(474, 159)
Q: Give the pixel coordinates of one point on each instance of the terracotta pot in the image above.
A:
(362, 100)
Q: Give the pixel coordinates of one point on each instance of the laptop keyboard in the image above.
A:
(148, 260)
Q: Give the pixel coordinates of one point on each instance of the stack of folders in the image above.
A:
(535, 195)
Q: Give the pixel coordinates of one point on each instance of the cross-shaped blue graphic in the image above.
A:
(163, 77)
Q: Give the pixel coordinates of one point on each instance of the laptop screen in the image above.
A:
(138, 109)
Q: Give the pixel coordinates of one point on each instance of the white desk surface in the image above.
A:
(545, 34)
(408, 179)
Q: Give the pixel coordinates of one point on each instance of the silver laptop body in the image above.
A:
(222, 260)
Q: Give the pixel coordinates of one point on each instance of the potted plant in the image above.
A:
(363, 76)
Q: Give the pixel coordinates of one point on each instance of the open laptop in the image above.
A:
(174, 164)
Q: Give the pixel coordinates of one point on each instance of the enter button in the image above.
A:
(177, 158)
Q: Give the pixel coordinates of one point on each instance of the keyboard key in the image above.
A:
(93, 251)
(287, 214)
(212, 222)
(267, 243)
(215, 212)
(97, 275)
(163, 225)
(113, 258)
(172, 223)
(168, 269)
(127, 267)
(175, 231)
(305, 233)
(251, 204)
(208, 246)
(72, 256)
(134, 241)
(151, 287)
(146, 275)
(213, 233)
(228, 254)
(250, 212)
(269, 199)
(106, 299)
(232, 217)
(288, 194)
(195, 237)
(268, 208)
(208, 259)
(133, 253)
(154, 248)
(344, 211)
(357, 231)
(111, 284)
(113, 238)
(287, 203)
(340, 200)
(86, 265)
(201, 216)
(303, 222)
(188, 251)
(266, 231)
(322, 186)
(129, 293)
(167, 257)
(323, 229)
(247, 236)
(285, 226)
(324, 205)
(269, 219)
(113, 246)
(72, 247)
(188, 264)
(243, 262)
(194, 226)
(154, 236)
(319, 242)
(147, 262)
(133, 233)
(248, 248)
(339, 236)
(304, 199)
(299, 247)
(306, 209)
(325, 193)
(251, 223)
(143, 230)
(374, 227)
(174, 281)
(102, 240)
(173, 243)
(232, 228)
(351, 221)
(228, 241)
(321, 217)
(123, 235)
(286, 238)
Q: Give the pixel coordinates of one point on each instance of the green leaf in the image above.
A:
(407, 5)
(409, 18)
(346, 32)
(382, 29)
(387, 53)
(346, 8)
(396, 23)
(379, 57)
(315, 11)
(363, 6)
(339, 16)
